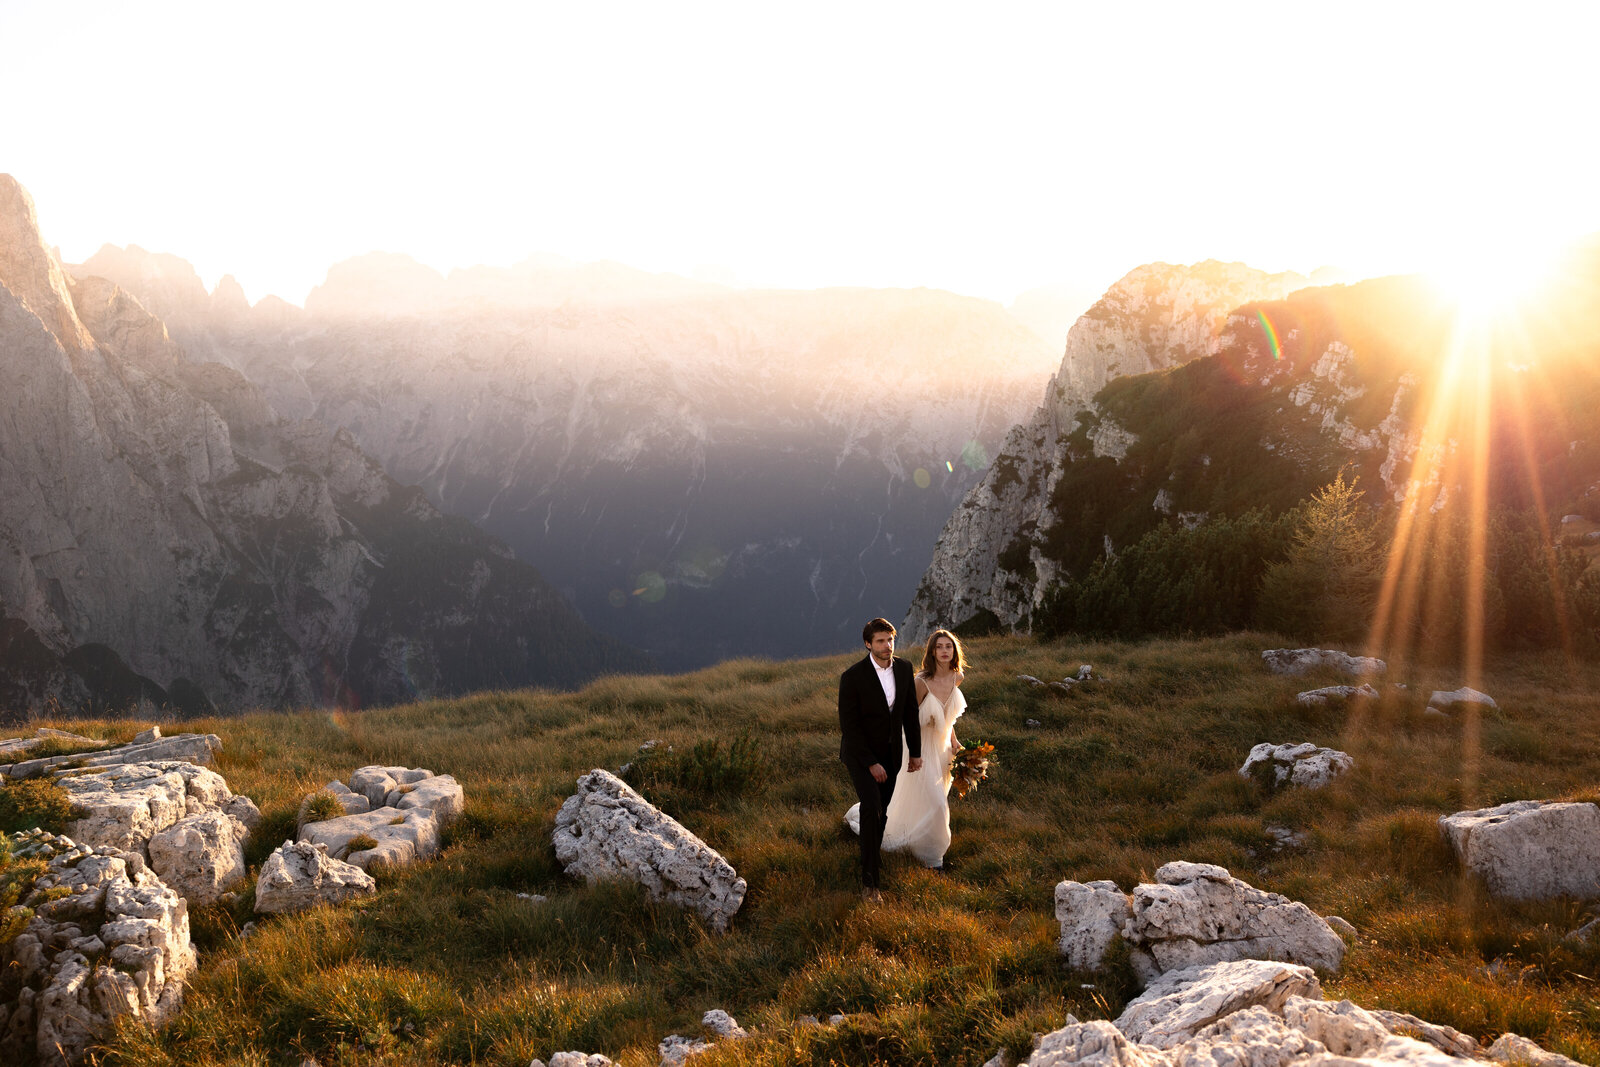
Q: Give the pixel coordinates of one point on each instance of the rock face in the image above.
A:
(1091, 916)
(406, 809)
(180, 817)
(115, 943)
(300, 875)
(1304, 660)
(277, 564)
(712, 449)
(1530, 849)
(1303, 765)
(1157, 316)
(1259, 1014)
(1197, 913)
(608, 831)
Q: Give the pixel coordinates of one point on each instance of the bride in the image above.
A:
(919, 810)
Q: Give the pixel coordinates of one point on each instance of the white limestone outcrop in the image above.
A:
(107, 939)
(1182, 1002)
(405, 811)
(1334, 694)
(607, 831)
(1465, 695)
(1304, 765)
(1530, 849)
(300, 875)
(1295, 661)
(1091, 915)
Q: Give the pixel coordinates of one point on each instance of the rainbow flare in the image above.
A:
(1272, 335)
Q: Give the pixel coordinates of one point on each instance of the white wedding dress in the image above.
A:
(919, 811)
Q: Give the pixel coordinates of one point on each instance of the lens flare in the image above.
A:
(1271, 335)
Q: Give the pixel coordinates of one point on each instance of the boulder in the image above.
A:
(124, 806)
(72, 987)
(1334, 694)
(1530, 849)
(1464, 695)
(200, 856)
(199, 749)
(1304, 660)
(1094, 1044)
(1091, 917)
(1197, 914)
(722, 1025)
(1304, 764)
(440, 794)
(376, 783)
(572, 1059)
(674, 1049)
(1180, 1003)
(1513, 1048)
(606, 830)
(401, 837)
(299, 875)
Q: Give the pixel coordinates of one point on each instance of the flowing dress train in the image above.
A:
(919, 811)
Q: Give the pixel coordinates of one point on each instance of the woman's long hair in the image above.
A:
(930, 664)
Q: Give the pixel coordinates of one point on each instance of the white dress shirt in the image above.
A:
(885, 679)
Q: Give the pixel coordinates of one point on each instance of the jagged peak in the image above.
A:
(30, 270)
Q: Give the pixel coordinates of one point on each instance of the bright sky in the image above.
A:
(983, 147)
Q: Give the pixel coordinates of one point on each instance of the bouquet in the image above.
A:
(970, 766)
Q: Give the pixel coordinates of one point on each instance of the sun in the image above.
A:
(1493, 278)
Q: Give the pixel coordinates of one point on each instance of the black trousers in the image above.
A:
(874, 814)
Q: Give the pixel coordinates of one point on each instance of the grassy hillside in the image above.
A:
(448, 965)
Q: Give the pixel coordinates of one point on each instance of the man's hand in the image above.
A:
(879, 775)
(914, 763)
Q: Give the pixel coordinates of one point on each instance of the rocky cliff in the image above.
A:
(1386, 381)
(707, 472)
(158, 508)
(1156, 317)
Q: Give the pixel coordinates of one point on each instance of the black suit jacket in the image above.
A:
(869, 728)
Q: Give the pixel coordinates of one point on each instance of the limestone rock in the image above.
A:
(1530, 849)
(1181, 1003)
(402, 837)
(1464, 695)
(1303, 660)
(1198, 914)
(722, 1025)
(376, 783)
(1334, 694)
(199, 749)
(674, 1049)
(1091, 916)
(1094, 1044)
(1514, 1048)
(299, 875)
(606, 830)
(575, 1059)
(200, 856)
(73, 987)
(1304, 764)
(1444, 1038)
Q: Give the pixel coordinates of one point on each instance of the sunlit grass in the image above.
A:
(449, 965)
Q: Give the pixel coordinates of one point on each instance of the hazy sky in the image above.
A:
(982, 147)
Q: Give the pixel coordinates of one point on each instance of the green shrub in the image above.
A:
(34, 802)
(320, 806)
(707, 775)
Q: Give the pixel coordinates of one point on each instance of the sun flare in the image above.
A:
(1492, 280)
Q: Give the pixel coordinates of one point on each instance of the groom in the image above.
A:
(877, 704)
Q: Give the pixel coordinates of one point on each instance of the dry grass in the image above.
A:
(447, 965)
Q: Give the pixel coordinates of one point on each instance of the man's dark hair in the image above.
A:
(876, 626)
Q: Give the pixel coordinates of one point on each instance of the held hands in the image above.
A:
(914, 763)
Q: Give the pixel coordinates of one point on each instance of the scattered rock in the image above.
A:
(723, 1025)
(402, 810)
(1063, 686)
(1182, 1002)
(1032, 722)
(674, 1049)
(1304, 764)
(146, 736)
(1085, 673)
(199, 749)
(1513, 1048)
(1530, 849)
(1091, 916)
(533, 898)
(73, 987)
(1028, 679)
(1444, 1038)
(1585, 933)
(1198, 914)
(1464, 695)
(1431, 712)
(1567, 520)
(299, 875)
(606, 830)
(1341, 927)
(1334, 694)
(575, 1059)
(1303, 660)
(1283, 837)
